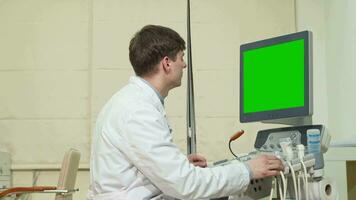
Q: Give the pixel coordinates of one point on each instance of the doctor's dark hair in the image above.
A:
(150, 45)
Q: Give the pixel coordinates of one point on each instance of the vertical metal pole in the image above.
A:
(191, 138)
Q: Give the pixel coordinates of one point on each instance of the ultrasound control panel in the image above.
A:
(269, 139)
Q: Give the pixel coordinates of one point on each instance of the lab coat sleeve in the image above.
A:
(151, 150)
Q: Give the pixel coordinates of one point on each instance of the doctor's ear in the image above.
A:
(166, 62)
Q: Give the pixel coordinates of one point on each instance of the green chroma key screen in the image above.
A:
(274, 77)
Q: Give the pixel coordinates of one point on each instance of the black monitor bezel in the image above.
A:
(306, 110)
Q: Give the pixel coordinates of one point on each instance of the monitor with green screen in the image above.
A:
(275, 78)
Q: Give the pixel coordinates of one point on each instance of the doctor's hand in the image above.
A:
(197, 160)
(265, 166)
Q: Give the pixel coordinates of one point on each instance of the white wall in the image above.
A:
(334, 28)
(341, 69)
(60, 60)
(43, 79)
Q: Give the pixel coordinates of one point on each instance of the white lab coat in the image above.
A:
(133, 157)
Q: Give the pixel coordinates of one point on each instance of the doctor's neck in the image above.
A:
(159, 83)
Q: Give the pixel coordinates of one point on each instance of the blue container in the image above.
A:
(313, 140)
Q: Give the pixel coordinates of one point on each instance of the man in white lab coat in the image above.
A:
(132, 155)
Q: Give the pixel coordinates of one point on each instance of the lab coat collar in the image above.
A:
(149, 90)
(154, 89)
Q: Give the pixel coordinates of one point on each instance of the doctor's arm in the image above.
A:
(151, 150)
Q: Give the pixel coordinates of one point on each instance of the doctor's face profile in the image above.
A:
(177, 69)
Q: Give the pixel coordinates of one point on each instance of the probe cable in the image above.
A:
(294, 180)
(305, 180)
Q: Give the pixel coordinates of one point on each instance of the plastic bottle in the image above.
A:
(313, 140)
